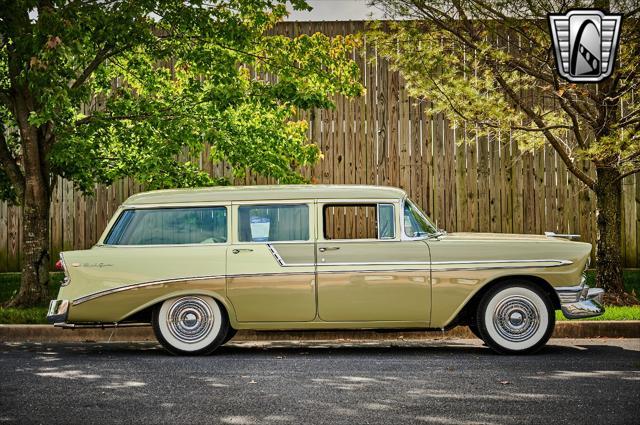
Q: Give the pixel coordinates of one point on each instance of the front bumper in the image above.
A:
(58, 311)
(579, 302)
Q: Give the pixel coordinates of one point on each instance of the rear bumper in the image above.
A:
(58, 311)
(579, 302)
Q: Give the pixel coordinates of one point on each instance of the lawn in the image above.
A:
(9, 285)
(611, 313)
(10, 282)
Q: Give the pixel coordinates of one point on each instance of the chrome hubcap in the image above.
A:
(516, 319)
(190, 319)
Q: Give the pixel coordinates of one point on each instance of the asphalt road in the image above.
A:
(440, 382)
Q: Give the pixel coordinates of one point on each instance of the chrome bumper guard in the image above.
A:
(58, 311)
(579, 302)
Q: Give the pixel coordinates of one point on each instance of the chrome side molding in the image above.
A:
(561, 235)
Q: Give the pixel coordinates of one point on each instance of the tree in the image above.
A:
(490, 63)
(94, 90)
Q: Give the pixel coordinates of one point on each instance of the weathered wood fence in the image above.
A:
(386, 138)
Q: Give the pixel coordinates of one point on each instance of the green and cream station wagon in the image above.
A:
(200, 264)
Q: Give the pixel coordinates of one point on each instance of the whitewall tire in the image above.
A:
(515, 317)
(190, 325)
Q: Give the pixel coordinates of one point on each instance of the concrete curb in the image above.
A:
(47, 333)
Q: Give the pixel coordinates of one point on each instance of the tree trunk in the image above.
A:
(608, 191)
(34, 280)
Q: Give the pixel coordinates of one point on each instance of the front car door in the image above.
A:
(270, 262)
(366, 270)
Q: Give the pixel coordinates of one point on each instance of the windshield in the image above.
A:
(416, 223)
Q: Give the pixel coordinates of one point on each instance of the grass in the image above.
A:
(10, 283)
(630, 277)
(9, 286)
(611, 313)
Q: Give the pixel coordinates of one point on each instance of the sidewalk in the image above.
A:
(47, 333)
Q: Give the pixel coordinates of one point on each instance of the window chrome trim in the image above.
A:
(403, 233)
(323, 203)
(122, 209)
(310, 215)
(393, 221)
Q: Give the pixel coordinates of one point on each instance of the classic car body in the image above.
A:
(306, 257)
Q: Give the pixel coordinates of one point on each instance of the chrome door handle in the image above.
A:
(237, 251)
(329, 248)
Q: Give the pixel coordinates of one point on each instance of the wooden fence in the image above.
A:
(386, 138)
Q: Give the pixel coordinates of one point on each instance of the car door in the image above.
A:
(366, 272)
(271, 262)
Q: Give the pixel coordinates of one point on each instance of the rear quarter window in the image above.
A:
(169, 226)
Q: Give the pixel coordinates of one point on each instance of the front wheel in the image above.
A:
(190, 325)
(515, 318)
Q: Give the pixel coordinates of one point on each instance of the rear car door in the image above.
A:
(270, 263)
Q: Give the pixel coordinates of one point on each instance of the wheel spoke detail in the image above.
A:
(190, 319)
(516, 319)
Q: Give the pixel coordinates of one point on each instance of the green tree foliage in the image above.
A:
(94, 90)
(156, 77)
(490, 64)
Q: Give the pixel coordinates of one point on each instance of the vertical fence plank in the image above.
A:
(629, 224)
(4, 236)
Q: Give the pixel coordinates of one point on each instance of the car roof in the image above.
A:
(265, 193)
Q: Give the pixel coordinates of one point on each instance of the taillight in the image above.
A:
(60, 265)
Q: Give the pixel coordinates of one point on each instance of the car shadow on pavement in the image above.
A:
(323, 348)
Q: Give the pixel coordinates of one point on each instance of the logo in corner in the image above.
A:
(585, 43)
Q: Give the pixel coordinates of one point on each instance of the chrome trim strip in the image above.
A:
(276, 255)
(232, 276)
(164, 281)
(550, 260)
(416, 263)
(138, 285)
(444, 263)
(562, 235)
(381, 263)
(371, 271)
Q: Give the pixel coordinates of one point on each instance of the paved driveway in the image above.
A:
(440, 382)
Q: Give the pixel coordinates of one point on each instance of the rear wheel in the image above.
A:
(515, 317)
(230, 334)
(190, 325)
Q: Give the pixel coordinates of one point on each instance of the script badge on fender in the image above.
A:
(585, 43)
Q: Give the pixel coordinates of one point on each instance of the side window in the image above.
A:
(272, 223)
(415, 222)
(169, 226)
(359, 221)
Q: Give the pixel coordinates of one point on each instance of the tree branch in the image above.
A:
(551, 138)
(569, 110)
(103, 54)
(628, 173)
